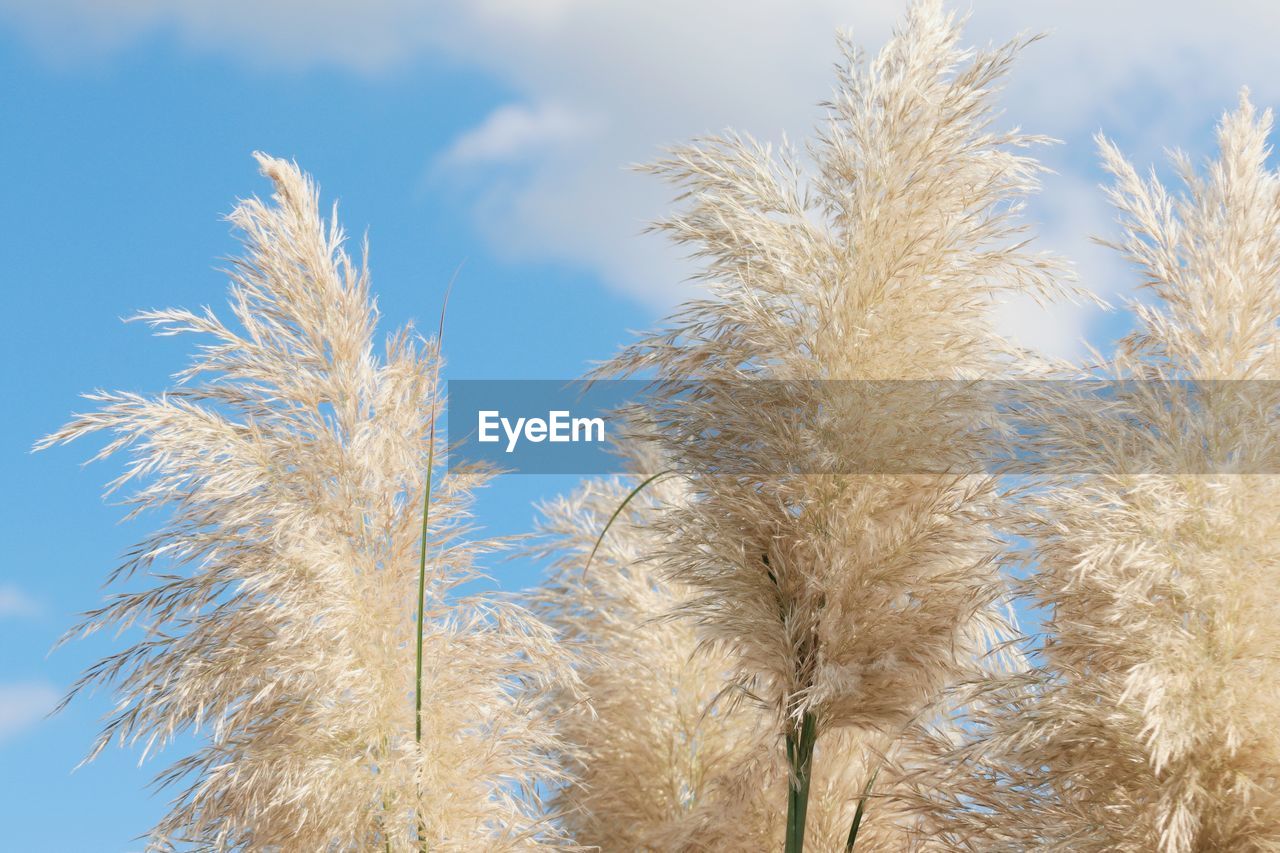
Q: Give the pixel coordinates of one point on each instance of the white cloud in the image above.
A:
(15, 602)
(652, 72)
(517, 133)
(24, 704)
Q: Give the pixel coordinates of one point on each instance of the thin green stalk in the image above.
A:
(617, 512)
(800, 761)
(426, 521)
(857, 815)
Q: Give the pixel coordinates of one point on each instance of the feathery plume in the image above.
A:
(846, 601)
(662, 756)
(1149, 723)
(276, 618)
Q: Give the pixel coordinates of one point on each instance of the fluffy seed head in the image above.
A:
(855, 597)
(272, 611)
(1150, 723)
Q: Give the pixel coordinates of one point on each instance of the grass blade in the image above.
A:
(426, 521)
(617, 512)
(857, 815)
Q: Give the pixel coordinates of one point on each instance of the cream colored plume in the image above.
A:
(1155, 537)
(844, 556)
(272, 611)
(663, 756)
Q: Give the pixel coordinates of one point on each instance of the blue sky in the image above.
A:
(495, 134)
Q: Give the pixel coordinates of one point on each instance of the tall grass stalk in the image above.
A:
(426, 523)
(800, 762)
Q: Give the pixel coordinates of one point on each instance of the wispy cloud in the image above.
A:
(24, 704)
(517, 132)
(15, 602)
